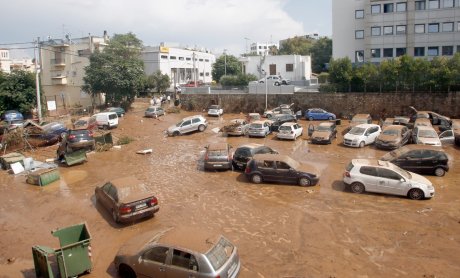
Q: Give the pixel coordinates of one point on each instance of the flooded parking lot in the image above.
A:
(280, 230)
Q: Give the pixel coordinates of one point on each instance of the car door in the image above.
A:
(410, 161)
(186, 126)
(284, 173)
(103, 194)
(405, 135)
(429, 160)
(183, 265)
(152, 263)
(373, 133)
(267, 170)
(369, 178)
(447, 137)
(390, 182)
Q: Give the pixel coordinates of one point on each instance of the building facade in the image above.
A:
(180, 64)
(262, 49)
(292, 67)
(62, 71)
(374, 30)
(5, 61)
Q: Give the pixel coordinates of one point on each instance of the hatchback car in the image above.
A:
(318, 114)
(236, 127)
(278, 110)
(280, 119)
(362, 135)
(11, 115)
(419, 159)
(187, 125)
(245, 152)
(127, 199)
(289, 131)
(120, 111)
(88, 123)
(425, 135)
(323, 133)
(154, 112)
(279, 168)
(215, 110)
(384, 177)
(76, 139)
(218, 156)
(276, 80)
(393, 137)
(259, 129)
(49, 134)
(178, 252)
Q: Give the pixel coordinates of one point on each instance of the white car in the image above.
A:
(362, 135)
(259, 129)
(276, 80)
(378, 176)
(425, 135)
(215, 110)
(187, 125)
(289, 131)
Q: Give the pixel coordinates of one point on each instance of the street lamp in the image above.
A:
(266, 89)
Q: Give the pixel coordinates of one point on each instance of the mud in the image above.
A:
(280, 230)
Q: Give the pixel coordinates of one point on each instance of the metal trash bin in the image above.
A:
(43, 177)
(73, 258)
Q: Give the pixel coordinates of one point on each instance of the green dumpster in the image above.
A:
(75, 157)
(43, 177)
(8, 159)
(104, 139)
(43, 261)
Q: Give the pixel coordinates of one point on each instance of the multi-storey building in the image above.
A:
(5, 61)
(62, 70)
(262, 49)
(373, 30)
(181, 64)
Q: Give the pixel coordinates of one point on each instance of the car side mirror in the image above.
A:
(402, 180)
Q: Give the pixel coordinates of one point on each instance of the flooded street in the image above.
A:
(280, 230)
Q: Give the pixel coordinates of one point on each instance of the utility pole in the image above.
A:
(225, 62)
(194, 70)
(37, 81)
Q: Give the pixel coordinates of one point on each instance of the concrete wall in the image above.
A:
(342, 104)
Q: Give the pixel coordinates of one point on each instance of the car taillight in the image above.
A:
(124, 210)
(247, 170)
(347, 174)
(90, 134)
(153, 202)
(71, 137)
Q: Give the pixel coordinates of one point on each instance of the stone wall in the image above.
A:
(342, 104)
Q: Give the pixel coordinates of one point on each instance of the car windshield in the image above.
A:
(220, 253)
(427, 134)
(402, 172)
(357, 131)
(150, 109)
(256, 125)
(179, 123)
(213, 107)
(285, 128)
(390, 132)
(218, 153)
(323, 128)
(359, 121)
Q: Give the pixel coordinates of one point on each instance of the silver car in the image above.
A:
(177, 252)
(259, 129)
(187, 125)
(154, 112)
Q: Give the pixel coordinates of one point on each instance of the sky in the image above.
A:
(212, 24)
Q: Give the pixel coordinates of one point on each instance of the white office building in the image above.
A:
(5, 61)
(180, 64)
(292, 67)
(262, 49)
(373, 30)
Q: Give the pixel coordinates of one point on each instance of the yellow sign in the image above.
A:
(164, 49)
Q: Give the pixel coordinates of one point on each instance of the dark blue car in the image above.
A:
(49, 135)
(12, 115)
(318, 114)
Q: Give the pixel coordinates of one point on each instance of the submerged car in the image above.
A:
(435, 118)
(218, 156)
(245, 152)
(279, 168)
(378, 176)
(362, 135)
(253, 117)
(419, 159)
(154, 112)
(178, 252)
(76, 139)
(187, 125)
(47, 134)
(318, 114)
(323, 133)
(215, 110)
(236, 127)
(89, 123)
(393, 137)
(127, 199)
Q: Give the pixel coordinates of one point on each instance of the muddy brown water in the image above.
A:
(280, 230)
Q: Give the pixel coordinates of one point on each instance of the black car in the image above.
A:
(218, 156)
(76, 139)
(280, 119)
(420, 159)
(279, 168)
(245, 152)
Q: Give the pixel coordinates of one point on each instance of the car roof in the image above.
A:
(105, 113)
(196, 239)
(288, 124)
(217, 146)
(277, 157)
(398, 127)
(326, 124)
(251, 145)
(422, 127)
(412, 147)
(237, 120)
(258, 122)
(370, 162)
(366, 125)
(131, 189)
(191, 117)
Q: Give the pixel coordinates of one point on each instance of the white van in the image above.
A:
(106, 120)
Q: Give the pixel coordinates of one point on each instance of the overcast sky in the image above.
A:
(212, 24)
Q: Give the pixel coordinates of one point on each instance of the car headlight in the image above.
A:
(430, 187)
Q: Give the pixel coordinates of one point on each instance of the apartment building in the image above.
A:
(5, 61)
(373, 30)
(181, 64)
(262, 49)
(62, 71)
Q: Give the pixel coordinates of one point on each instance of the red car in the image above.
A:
(192, 84)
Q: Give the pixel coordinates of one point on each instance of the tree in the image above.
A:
(117, 71)
(454, 67)
(17, 91)
(440, 74)
(341, 73)
(389, 74)
(237, 80)
(366, 73)
(321, 53)
(158, 81)
(296, 45)
(228, 62)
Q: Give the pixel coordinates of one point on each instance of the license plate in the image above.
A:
(141, 206)
(217, 165)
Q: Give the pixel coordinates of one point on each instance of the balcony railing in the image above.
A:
(59, 80)
(58, 62)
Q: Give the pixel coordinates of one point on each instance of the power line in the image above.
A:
(16, 43)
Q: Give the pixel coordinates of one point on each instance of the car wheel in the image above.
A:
(176, 133)
(416, 194)
(362, 144)
(277, 83)
(115, 216)
(439, 172)
(330, 118)
(310, 118)
(256, 178)
(269, 116)
(105, 127)
(126, 271)
(201, 128)
(357, 187)
(304, 182)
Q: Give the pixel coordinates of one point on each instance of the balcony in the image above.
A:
(58, 62)
(59, 80)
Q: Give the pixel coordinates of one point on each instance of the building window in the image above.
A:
(188, 59)
(388, 8)
(375, 53)
(201, 74)
(420, 5)
(359, 14)
(401, 7)
(260, 47)
(201, 60)
(388, 30)
(433, 4)
(172, 57)
(359, 34)
(448, 3)
(419, 51)
(448, 27)
(448, 50)
(207, 74)
(433, 51)
(289, 67)
(458, 48)
(359, 56)
(400, 29)
(375, 9)
(206, 60)
(164, 56)
(400, 51)
(388, 52)
(433, 28)
(375, 31)
(419, 28)
(181, 58)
